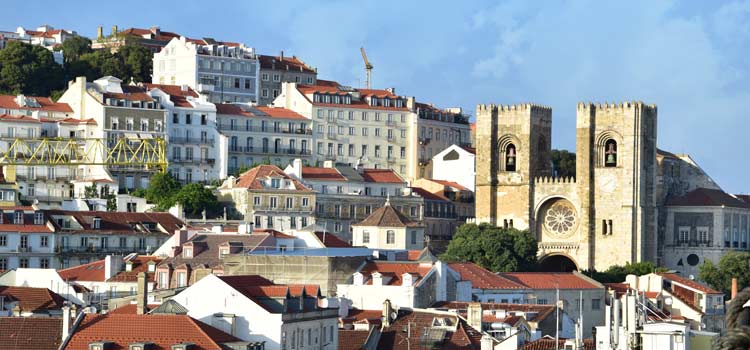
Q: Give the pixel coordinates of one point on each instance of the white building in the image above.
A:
(196, 151)
(387, 228)
(263, 135)
(223, 71)
(438, 129)
(45, 36)
(254, 309)
(26, 239)
(455, 163)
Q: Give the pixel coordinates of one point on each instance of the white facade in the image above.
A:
(196, 150)
(455, 164)
(214, 302)
(225, 72)
(42, 278)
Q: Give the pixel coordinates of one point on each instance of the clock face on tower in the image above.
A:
(607, 182)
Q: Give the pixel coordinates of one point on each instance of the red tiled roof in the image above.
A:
(175, 92)
(387, 216)
(381, 176)
(744, 197)
(351, 339)
(413, 255)
(462, 336)
(450, 184)
(131, 93)
(93, 271)
(162, 330)
(542, 311)
(33, 299)
(327, 174)
(549, 344)
(251, 178)
(120, 222)
(25, 333)
(284, 63)
(18, 118)
(24, 228)
(258, 111)
(330, 240)
(140, 264)
(395, 270)
(331, 87)
(131, 309)
(89, 121)
(429, 195)
(45, 104)
(689, 283)
(482, 278)
(709, 198)
(549, 280)
(471, 150)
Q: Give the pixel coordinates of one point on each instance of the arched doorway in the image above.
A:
(557, 263)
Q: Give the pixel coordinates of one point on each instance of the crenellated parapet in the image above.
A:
(614, 106)
(554, 180)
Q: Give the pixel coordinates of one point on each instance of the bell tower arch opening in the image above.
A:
(557, 263)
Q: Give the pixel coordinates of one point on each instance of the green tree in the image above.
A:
(195, 198)
(494, 248)
(137, 61)
(28, 69)
(564, 163)
(732, 264)
(161, 188)
(74, 47)
(617, 273)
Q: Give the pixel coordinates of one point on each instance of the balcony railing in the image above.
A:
(424, 141)
(91, 249)
(272, 130)
(390, 122)
(192, 140)
(209, 161)
(260, 150)
(332, 135)
(281, 208)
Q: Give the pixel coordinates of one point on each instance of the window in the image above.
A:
(610, 153)
(272, 202)
(684, 234)
(39, 217)
(390, 237)
(596, 304)
(181, 279)
(23, 262)
(276, 77)
(187, 252)
(24, 241)
(542, 302)
(510, 158)
(3, 263)
(352, 130)
(264, 76)
(305, 202)
(97, 223)
(289, 202)
(3, 240)
(18, 220)
(44, 241)
(703, 234)
(364, 131)
(413, 237)
(365, 237)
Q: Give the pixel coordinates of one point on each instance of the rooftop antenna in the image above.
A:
(368, 68)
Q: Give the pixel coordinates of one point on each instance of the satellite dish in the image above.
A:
(691, 277)
(393, 315)
(668, 300)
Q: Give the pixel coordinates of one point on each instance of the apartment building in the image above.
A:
(27, 238)
(268, 198)
(457, 164)
(365, 127)
(275, 70)
(438, 129)
(196, 151)
(121, 112)
(152, 38)
(85, 236)
(263, 135)
(223, 71)
(44, 35)
(462, 197)
(347, 195)
(387, 228)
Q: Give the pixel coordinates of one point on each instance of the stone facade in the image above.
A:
(606, 215)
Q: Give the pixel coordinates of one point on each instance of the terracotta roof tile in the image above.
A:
(689, 283)
(461, 336)
(208, 254)
(429, 195)
(93, 271)
(330, 240)
(549, 344)
(282, 63)
(251, 179)
(351, 339)
(541, 311)
(381, 176)
(334, 88)
(131, 309)
(708, 197)
(395, 270)
(257, 111)
(122, 223)
(33, 299)
(326, 174)
(18, 118)
(45, 104)
(25, 333)
(162, 330)
(549, 280)
(175, 92)
(139, 264)
(482, 278)
(451, 184)
(387, 216)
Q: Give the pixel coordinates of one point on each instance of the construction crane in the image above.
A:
(368, 68)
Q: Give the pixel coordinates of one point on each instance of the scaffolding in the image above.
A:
(148, 153)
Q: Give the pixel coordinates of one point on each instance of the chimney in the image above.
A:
(486, 342)
(328, 164)
(184, 87)
(407, 280)
(387, 311)
(179, 237)
(142, 296)
(281, 56)
(112, 265)
(99, 32)
(114, 30)
(474, 315)
(68, 313)
(297, 165)
(377, 279)
(734, 287)
(155, 30)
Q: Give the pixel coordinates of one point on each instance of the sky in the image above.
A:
(687, 57)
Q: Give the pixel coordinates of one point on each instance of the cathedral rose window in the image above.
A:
(560, 218)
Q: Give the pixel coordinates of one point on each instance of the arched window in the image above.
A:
(510, 158)
(610, 153)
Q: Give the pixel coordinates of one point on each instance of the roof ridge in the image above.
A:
(200, 329)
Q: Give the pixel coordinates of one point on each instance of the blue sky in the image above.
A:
(688, 57)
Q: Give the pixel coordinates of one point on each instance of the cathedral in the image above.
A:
(606, 215)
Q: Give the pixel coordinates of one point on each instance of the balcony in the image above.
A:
(391, 138)
(424, 141)
(209, 161)
(332, 135)
(95, 250)
(24, 249)
(191, 141)
(205, 87)
(43, 199)
(424, 161)
(390, 122)
(269, 151)
(268, 130)
(280, 209)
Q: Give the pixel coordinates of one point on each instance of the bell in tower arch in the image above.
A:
(610, 159)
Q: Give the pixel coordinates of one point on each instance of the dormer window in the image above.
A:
(100, 345)
(275, 183)
(187, 252)
(97, 223)
(38, 218)
(183, 346)
(18, 220)
(151, 266)
(223, 252)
